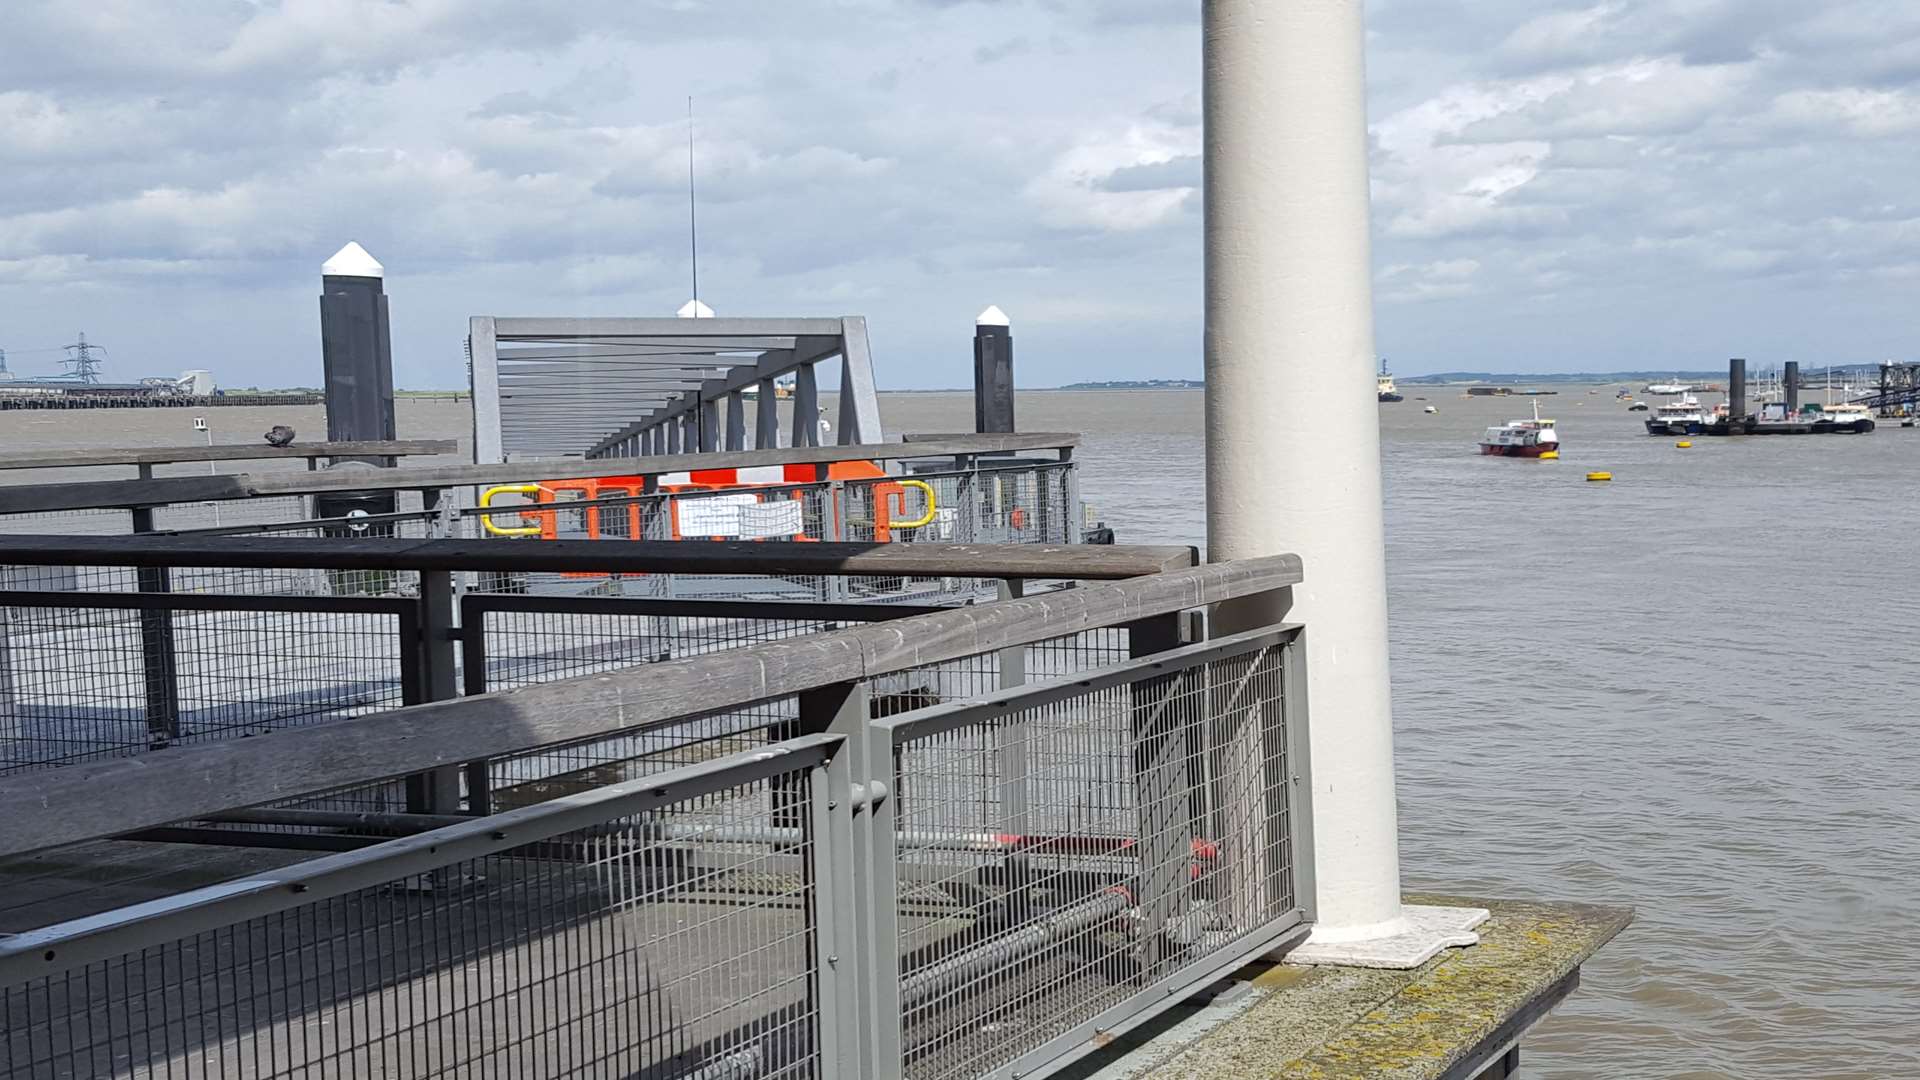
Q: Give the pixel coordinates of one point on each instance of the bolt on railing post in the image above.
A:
(434, 677)
(159, 661)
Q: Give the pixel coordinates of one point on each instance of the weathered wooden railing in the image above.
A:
(145, 457)
(121, 494)
(222, 664)
(954, 843)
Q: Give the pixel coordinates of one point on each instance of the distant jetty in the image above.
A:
(81, 396)
(1140, 384)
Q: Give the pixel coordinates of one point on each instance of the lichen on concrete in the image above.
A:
(1327, 1023)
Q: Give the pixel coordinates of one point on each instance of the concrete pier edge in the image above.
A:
(1459, 1015)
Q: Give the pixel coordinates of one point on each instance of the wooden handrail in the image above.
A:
(112, 494)
(48, 808)
(169, 455)
(1083, 562)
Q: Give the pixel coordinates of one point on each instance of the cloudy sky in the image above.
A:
(1632, 184)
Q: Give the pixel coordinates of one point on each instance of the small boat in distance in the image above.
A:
(1683, 417)
(1522, 438)
(1638, 406)
(1384, 384)
(1675, 387)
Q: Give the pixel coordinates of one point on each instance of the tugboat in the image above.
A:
(1522, 438)
(1384, 383)
(1683, 417)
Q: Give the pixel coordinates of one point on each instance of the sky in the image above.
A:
(1634, 184)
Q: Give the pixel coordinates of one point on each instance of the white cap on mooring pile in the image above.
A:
(353, 261)
(993, 316)
(694, 309)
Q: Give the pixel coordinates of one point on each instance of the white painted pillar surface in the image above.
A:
(1293, 429)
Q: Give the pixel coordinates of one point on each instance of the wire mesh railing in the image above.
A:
(86, 675)
(1068, 853)
(624, 932)
(983, 887)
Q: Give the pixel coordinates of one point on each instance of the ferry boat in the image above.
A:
(1675, 387)
(1683, 417)
(1384, 384)
(1847, 417)
(1522, 438)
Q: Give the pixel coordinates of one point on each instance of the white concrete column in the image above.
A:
(1293, 431)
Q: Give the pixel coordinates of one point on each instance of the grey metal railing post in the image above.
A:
(1070, 493)
(1297, 833)
(159, 660)
(1163, 787)
(473, 679)
(965, 496)
(841, 989)
(838, 586)
(1011, 760)
(877, 899)
(434, 677)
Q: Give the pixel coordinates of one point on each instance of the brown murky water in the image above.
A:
(1688, 690)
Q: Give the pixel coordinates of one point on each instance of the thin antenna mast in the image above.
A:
(693, 221)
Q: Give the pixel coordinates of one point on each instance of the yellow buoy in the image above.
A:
(1599, 477)
(1684, 445)
(1550, 455)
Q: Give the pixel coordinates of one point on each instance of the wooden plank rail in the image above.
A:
(48, 808)
(1085, 562)
(105, 494)
(171, 455)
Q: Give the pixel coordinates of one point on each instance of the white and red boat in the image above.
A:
(1522, 438)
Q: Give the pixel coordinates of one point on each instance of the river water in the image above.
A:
(1684, 690)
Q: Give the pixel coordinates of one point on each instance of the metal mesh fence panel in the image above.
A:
(1027, 503)
(102, 522)
(527, 647)
(971, 676)
(673, 937)
(87, 681)
(553, 771)
(1062, 858)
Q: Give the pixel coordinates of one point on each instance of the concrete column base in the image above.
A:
(1423, 933)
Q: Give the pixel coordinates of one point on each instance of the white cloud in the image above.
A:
(1076, 189)
(1597, 169)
